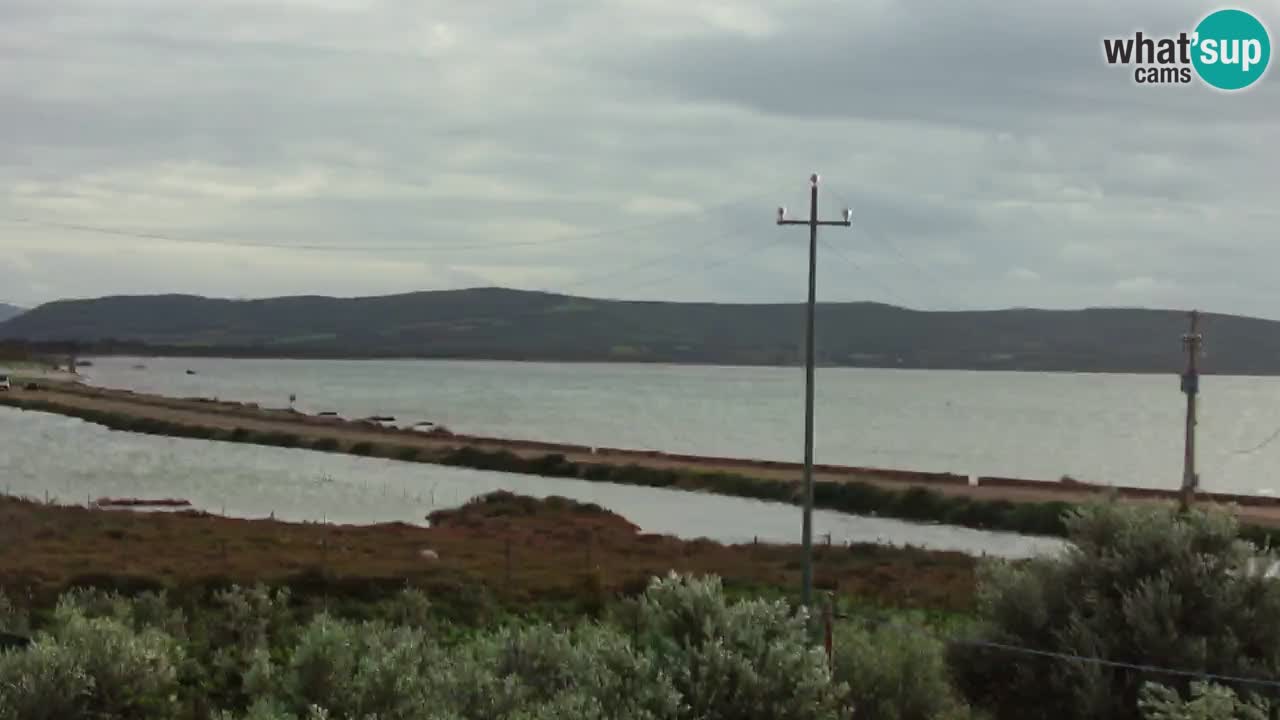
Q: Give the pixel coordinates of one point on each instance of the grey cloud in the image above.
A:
(971, 140)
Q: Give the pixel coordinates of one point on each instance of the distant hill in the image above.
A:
(9, 311)
(491, 323)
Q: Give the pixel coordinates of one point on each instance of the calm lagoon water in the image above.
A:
(1122, 429)
(73, 461)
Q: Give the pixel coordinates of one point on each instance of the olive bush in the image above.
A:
(895, 671)
(359, 670)
(45, 682)
(536, 669)
(683, 653)
(97, 667)
(236, 640)
(747, 660)
(146, 610)
(691, 655)
(1142, 585)
(13, 619)
(1207, 702)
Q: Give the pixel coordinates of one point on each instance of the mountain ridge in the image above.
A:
(10, 311)
(504, 324)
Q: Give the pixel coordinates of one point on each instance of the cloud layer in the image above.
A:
(627, 148)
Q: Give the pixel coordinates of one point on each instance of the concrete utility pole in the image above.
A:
(806, 594)
(1191, 386)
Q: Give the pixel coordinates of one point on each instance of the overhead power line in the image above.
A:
(1153, 669)
(867, 276)
(352, 247)
(740, 255)
(935, 280)
(885, 621)
(1250, 450)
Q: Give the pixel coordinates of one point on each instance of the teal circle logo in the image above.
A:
(1232, 49)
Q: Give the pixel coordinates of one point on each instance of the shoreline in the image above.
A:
(214, 353)
(764, 479)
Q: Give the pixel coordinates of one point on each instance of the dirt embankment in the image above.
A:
(227, 417)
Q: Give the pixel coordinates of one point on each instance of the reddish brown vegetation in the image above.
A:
(517, 547)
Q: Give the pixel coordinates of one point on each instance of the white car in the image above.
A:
(4, 382)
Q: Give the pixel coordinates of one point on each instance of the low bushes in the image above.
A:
(1144, 585)
(91, 667)
(680, 651)
(325, 444)
(277, 439)
(896, 671)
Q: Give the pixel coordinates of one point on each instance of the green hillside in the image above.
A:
(494, 323)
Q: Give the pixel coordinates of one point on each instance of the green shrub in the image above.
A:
(91, 667)
(596, 473)
(537, 671)
(1048, 518)
(638, 475)
(359, 671)
(44, 682)
(1142, 584)
(277, 439)
(750, 660)
(552, 465)
(240, 435)
(1207, 702)
(235, 642)
(408, 454)
(498, 460)
(410, 607)
(13, 619)
(362, 448)
(198, 432)
(919, 503)
(149, 426)
(743, 486)
(325, 444)
(852, 497)
(895, 671)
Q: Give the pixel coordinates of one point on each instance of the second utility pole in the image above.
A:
(806, 593)
(1191, 386)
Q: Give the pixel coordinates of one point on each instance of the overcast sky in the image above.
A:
(628, 148)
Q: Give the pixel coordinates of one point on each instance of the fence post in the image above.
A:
(828, 616)
(508, 560)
